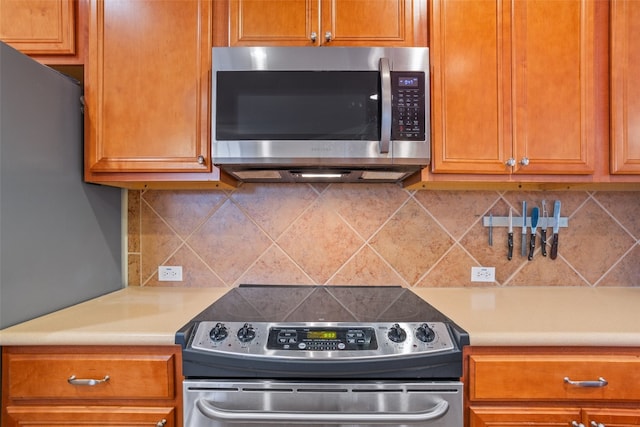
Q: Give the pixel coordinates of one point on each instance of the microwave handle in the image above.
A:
(385, 124)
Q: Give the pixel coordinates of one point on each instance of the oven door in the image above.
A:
(213, 403)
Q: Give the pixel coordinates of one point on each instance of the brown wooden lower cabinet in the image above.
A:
(91, 385)
(496, 416)
(41, 416)
(552, 386)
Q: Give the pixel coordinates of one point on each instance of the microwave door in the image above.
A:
(385, 94)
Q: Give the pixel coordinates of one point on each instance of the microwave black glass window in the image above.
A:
(297, 105)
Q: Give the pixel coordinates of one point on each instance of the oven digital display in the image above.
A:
(322, 335)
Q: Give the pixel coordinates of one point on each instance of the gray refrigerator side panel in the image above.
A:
(59, 237)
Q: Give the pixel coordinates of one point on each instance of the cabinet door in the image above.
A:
(273, 22)
(612, 417)
(553, 81)
(625, 87)
(327, 22)
(535, 107)
(520, 416)
(82, 416)
(367, 22)
(470, 59)
(148, 87)
(39, 27)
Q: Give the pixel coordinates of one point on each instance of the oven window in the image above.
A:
(297, 105)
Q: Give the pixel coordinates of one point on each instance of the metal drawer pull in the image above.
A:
(595, 424)
(89, 381)
(161, 423)
(214, 413)
(576, 424)
(601, 382)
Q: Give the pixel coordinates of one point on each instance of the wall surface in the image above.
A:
(360, 234)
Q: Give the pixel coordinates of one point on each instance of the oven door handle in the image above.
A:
(214, 413)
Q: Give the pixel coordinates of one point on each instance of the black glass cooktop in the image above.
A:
(285, 303)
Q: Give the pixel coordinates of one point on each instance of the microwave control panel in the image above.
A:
(408, 106)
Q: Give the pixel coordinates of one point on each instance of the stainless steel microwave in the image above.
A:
(292, 114)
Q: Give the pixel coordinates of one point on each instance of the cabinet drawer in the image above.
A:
(130, 376)
(542, 377)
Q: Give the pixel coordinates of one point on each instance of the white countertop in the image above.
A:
(553, 316)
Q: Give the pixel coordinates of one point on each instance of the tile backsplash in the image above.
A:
(380, 234)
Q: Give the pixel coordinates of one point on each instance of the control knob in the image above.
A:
(219, 332)
(246, 333)
(425, 334)
(396, 333)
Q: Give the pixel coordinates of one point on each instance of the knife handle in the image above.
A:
(543, 244)
(510, 246)
(554, 246)
(532, 246)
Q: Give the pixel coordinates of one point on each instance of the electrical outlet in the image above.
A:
(483, 274)
(170, 273)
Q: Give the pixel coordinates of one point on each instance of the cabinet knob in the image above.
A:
(576, 424)
(328, 36)
(595, 424)
(161, 423)
(524, 161)
(313, 36)
(201, 160)
(511, 162)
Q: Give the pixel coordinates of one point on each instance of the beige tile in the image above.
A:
(624, 206)
(133, 221)
(626, 272)
(195, 274)
(365, 206)
(184, 211)
(274, 206)
(320, 242)
(476, 242)
(324, 226)
(457, 210)
(453, 270)
(593, 242)
(157, 242)
(133, 270)
(543, 271)
(571, 200)
(229, 242)
(276, 268)
(367, 268)
(411, 242)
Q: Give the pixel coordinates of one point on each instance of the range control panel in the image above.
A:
(322, 340)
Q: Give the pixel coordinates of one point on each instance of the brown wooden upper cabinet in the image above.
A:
(147, 92)
(513, 87)
(625, 87)
(328, 22)
(44, 29)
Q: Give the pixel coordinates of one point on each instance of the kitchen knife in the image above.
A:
(544, 223)
(534, 226)
(556, 228)
(523, 247)
(510, 236)
(490, 229)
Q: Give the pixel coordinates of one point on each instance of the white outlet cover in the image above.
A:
(170, 273)
(483, 274)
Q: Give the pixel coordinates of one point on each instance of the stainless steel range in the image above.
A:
(322, 356)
